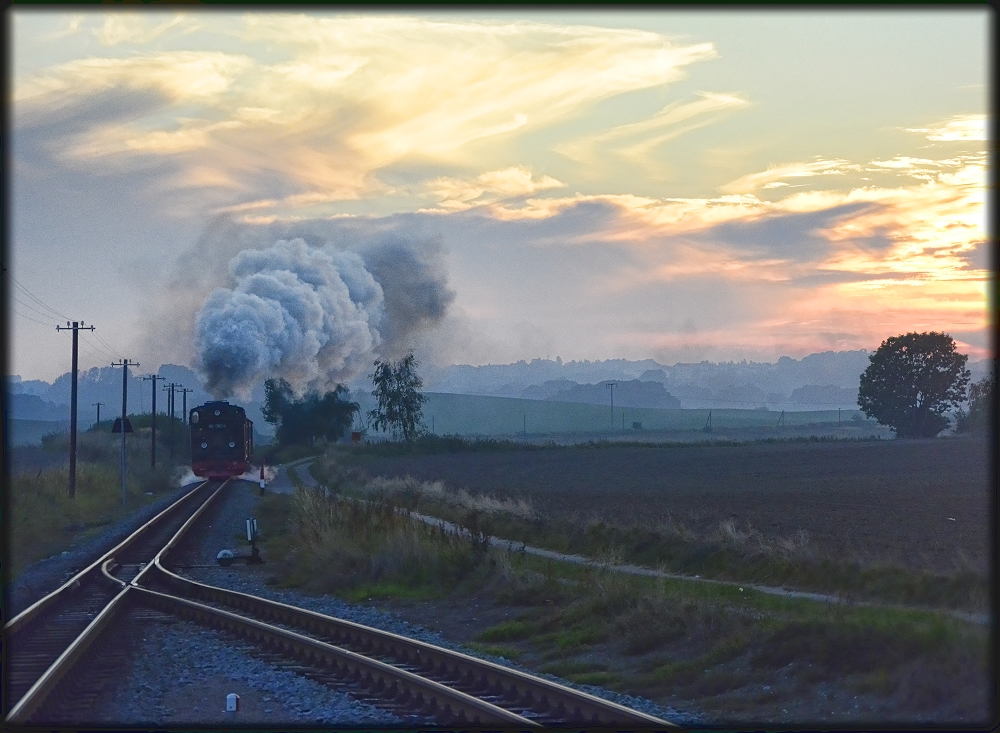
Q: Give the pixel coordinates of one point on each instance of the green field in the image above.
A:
(479, 415)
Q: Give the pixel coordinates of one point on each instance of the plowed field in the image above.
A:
(922, 504)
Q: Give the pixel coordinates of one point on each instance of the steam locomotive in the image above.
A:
(221, 440)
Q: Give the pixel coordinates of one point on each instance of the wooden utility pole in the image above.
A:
(153, 378)
(75, 328)
(125, 364)
(169, 388)
(184, 403)
(184, 411)
(98, 404)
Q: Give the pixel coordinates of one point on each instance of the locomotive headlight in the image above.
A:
(204, 445)
(195, 417)
(232, 444)
(217, 412)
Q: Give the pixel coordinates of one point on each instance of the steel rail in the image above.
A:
(431, 697)
(32, 611)
(525, 690)
(30, 702)
(36, 695)
(107, 570)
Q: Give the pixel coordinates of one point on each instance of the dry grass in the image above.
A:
(411, 493)
(43, 518)
(341, 543)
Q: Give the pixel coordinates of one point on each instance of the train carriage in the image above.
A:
(221, 440)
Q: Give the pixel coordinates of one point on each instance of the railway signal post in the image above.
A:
(252, 533)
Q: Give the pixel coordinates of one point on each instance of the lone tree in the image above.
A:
(400, 405)
(911, 381)
(303, 421)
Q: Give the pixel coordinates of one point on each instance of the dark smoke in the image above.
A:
(316, 315)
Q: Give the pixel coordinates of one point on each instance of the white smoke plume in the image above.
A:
(312, 315)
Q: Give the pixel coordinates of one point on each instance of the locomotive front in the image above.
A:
(221, 440)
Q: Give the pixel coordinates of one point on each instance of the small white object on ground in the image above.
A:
(232, 702)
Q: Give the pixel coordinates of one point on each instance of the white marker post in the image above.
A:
(232, 702)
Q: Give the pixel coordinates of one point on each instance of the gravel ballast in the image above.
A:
(180, 673)
(225, 529)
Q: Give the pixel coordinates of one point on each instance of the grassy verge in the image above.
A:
(678, 639)
(730, 552)
(737, 654)
(44, 520)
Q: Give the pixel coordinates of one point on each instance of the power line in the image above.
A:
(29, 307)
(99, 355)
(96, 346)
(99, 346)
(33, 320)
(111, 349)
(92, 353)
(39, 301)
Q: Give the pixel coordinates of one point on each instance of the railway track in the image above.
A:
(46, 640)
(420, 682)
(392, 667)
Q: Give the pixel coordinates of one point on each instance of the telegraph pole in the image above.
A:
(153, 378)
(184, 409)
(184, 403)
(98, 423)
(77, 325)
(169, 388)
(125, 363)
(612, 386)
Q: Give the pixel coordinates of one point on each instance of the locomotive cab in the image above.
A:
(221, 440)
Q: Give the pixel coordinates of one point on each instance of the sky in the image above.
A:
(488, 186)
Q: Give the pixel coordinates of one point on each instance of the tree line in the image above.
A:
(911, 382)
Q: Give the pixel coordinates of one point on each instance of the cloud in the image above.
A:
(73, 24)
(919, 233)
(456, 194)
(669, 123)
(180, 76)
(315, 107)
(775, 174)
(960, 128)
(126, 27)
